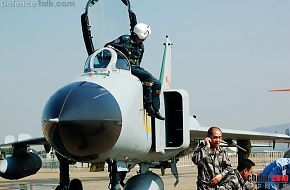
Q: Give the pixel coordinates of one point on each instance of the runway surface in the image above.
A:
(47, 179)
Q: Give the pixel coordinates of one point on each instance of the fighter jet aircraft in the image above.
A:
(100, 117)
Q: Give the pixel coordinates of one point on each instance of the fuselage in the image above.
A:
(100, 115)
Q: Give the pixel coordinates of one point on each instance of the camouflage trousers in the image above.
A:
(229, 183)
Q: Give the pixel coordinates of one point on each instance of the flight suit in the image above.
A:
(134, 53)
(209, 164)
(277, 168)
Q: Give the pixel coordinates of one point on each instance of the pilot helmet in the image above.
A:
(142, 30)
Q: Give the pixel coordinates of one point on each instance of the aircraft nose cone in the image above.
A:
(82, 120)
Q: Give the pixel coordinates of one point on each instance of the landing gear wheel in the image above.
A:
(75, 184)
(58, 187)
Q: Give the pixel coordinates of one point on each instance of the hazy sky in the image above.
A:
(226, 54)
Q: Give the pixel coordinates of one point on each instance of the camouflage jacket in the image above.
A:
(209, 164)
(248, 185)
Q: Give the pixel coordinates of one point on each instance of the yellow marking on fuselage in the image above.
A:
(147, 122)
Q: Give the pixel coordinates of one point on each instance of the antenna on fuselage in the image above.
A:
(86, 28)
(280, 90)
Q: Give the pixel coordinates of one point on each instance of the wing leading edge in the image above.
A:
(32, 141)
(21, 145)
(199, 133)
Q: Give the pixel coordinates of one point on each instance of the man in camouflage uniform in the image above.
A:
(243, 173)
(213, 164)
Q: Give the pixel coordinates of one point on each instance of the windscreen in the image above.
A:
(101, 60)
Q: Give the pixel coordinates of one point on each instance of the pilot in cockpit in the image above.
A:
(132, 46)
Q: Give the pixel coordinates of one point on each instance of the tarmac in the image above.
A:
(48, 179)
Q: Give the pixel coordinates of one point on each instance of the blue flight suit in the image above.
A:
(134, 53)
(278, 167)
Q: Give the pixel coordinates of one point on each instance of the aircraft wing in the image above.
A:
(21, 145)
(21, 163)
(32, 141)
(199, 133)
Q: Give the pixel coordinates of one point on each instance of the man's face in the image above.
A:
(215, 138)
(137, 40)
(246, 173)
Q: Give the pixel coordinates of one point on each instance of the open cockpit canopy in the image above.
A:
(105, 21)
